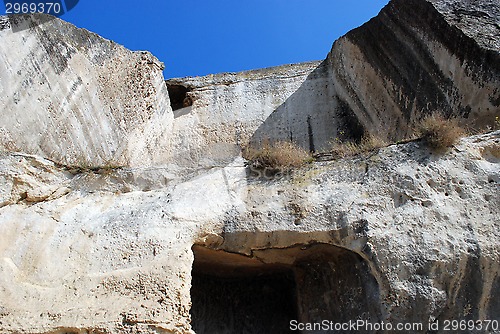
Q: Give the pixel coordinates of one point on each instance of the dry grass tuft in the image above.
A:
(279, 155)
(440, 133)
(349, 149)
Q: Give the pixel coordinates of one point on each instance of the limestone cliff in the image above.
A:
(78, 99)
(126, 207)
(413, 59)
(418, 57)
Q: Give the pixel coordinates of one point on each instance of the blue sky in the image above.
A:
(199, 37)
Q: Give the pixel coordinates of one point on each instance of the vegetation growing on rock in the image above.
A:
(348, 149)
(278, 155)
(440, 133)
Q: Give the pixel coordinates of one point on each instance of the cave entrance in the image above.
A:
(234, 294)
(179, 97)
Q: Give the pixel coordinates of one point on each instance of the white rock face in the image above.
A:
(119, 214)
(378, 79)
(121, 262)
(73, 97)
(94, 103)
(228, 109)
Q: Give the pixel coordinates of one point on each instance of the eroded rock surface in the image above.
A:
(418, 235)
(124, 210)
(418, 57)
(71, 96)
(415, 58)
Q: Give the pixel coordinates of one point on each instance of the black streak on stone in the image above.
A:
(310, 134)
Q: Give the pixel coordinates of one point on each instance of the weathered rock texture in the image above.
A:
(415, 236)
(413, 59)
(78, 99)
(418, 57)
(184, 237)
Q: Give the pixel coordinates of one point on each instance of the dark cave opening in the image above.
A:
(234, 294)
(179, 97)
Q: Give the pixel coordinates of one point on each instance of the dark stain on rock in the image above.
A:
(310, 135)
(350, 127)
(59, 52)
(397, 45)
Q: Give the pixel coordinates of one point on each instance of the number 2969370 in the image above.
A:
(31, 7)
